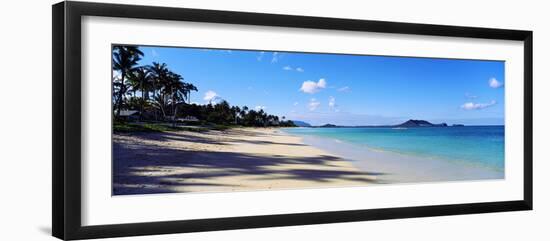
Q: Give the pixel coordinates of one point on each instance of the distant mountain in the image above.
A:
(301, 123)
(420, 123)
(409, 123)
(328, 125)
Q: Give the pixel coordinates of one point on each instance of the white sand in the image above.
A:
(243, 159)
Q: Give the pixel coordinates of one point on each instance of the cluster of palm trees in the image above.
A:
(225, 114)
(163, 95)
(162, 90)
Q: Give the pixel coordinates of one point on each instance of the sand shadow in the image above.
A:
(147, 168)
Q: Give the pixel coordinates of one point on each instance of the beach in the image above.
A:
(186, 130)
(238, 159)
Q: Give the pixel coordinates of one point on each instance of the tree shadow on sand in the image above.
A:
(140, 168)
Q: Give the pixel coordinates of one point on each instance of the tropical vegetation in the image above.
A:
(160, 95)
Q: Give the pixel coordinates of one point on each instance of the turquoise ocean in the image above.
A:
(473, 146)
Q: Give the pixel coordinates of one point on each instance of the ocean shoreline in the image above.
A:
(256, 159)
(425, 169)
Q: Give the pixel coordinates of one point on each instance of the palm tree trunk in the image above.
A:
(142, 101)
(120, 94)
(173, 108)
(162, 104)
(154, 96)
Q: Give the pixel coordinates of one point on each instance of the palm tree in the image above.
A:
(262, 117)
(159, 75)
(235, 110)
(243, 114)
(179, 90)
(176, 90)
(141, 80)
(188, 88)
(125, 58)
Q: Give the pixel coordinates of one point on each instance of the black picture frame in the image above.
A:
(66, 128)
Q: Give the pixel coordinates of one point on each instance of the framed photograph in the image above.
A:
(171, 120)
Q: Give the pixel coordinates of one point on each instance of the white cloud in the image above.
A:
(260, 107)
(312, 87)
(289, 68)
(322, 83)
(494, 83)
(210, 95)
(275, 57)
(331, 102)
(477, 106)
(344, 89)
(313, 104)
(295, 103)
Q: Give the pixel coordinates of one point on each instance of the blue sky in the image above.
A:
(343, 89)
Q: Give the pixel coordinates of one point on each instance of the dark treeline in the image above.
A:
(160, 94)
(223, 113)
